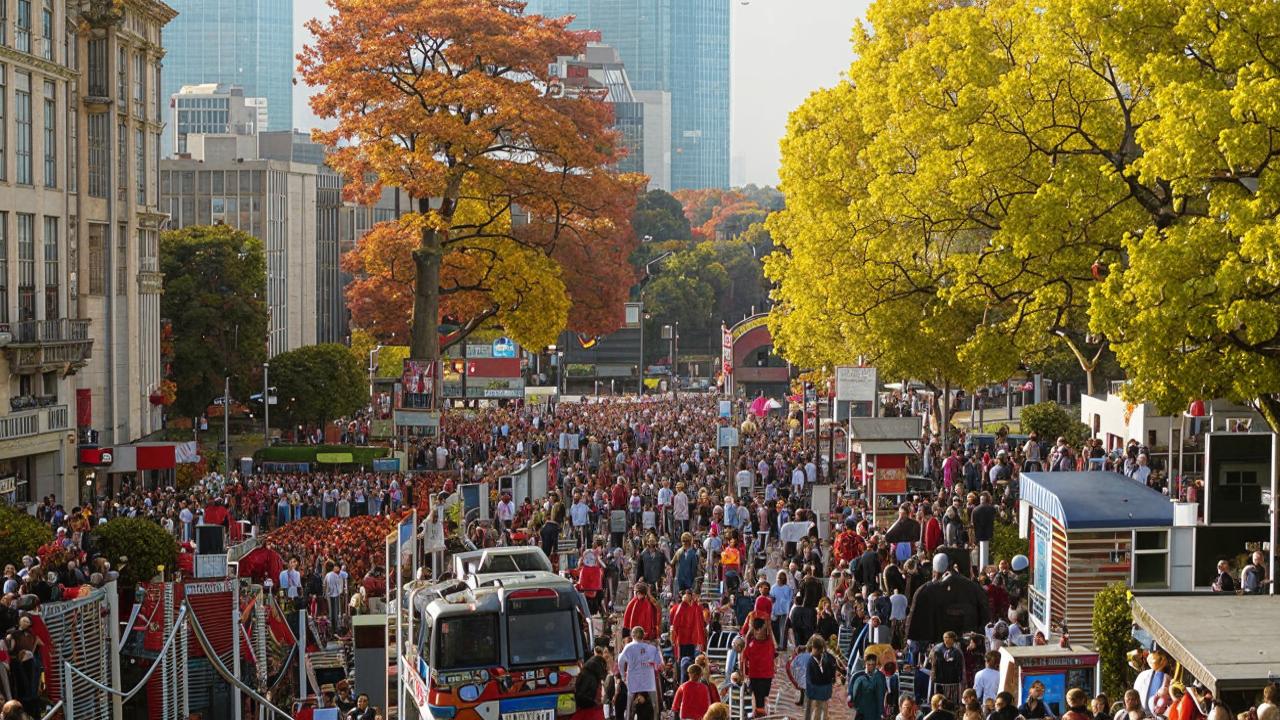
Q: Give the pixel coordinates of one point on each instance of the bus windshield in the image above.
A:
(467, 641)
(542, 638)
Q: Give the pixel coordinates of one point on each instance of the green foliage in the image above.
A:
(1005, 542)
(1113, 637)
(20, 534)
(318, 383)
(661, 217)
(215, 296)
(1051, 421)
(143, 542)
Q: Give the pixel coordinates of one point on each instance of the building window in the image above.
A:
(122, 259)
(140, 155)
(4, 22)
(73, 46)
(139, 86)
(155, 95)
(122, 77)
(26, 266)
(46, 30)
(4, 93)
(122, 160)
(51, 275)
(1151, 559)
(22, 116)
(4, 261)
(98, 154)
(98, 68)
(50, 135)
(22, 28)
(73, 133)
(97, 259)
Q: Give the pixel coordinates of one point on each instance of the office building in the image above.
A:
(212, 109)
(273, 200)
(247, 43)
(600, 69)
(80, 132)
(680, 47)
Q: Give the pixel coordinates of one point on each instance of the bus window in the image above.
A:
(467, 641)
(543, 638)
(423, 643)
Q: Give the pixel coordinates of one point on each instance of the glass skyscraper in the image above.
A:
(234, 42)
(677, 46)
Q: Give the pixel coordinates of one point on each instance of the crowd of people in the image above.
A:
(677, 544)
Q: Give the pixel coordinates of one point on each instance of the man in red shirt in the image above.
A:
(688, 629)
(643, 612)
(693, 697)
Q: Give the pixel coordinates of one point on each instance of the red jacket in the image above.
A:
(643, 612)
(687, 626)
(590, 579)
(758, 657)
(931, 535)
(692, 700)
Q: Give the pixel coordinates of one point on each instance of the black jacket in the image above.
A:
(586, 687)
(953, 603)
(984, 522)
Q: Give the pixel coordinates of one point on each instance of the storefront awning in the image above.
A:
(1096, 500)
(1215, 637)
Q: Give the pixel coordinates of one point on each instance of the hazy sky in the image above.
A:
(782, 51)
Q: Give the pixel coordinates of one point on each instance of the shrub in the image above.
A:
(1005, 543)
(1113, 636)
(1051, 421)
(145, 543)
(20, 534)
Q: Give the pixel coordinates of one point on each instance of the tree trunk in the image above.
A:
(425, 330)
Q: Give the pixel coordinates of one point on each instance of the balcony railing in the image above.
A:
(36, 332)
(45, 345)
(33, 422)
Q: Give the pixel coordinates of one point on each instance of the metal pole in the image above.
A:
(226, 423)
(640, 367)
(302, 653)
(236, 701)
(266, 406)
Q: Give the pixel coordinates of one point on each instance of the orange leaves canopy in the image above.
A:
(516, 199)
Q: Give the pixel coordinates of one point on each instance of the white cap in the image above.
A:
(941, 563)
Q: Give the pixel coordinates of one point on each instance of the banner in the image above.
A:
(726, 350)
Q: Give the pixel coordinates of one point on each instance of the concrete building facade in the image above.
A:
(79, 288)
(273, 200)
(212, 109)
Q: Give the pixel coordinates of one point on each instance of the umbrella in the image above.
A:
(759, 406)
(261, 563)
(773, 404)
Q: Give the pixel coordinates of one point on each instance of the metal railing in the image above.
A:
(50, 331)
(33, 422)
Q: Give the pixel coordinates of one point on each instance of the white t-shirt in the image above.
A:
(797, 477)
(638, 662)
(987, 684)
(794, 531)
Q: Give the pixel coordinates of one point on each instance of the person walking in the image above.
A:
(639, 662)
(781, 594)
(819, 679)
(867, 690)
(758, 661)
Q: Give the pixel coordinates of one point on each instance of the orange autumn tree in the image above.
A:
(518, 217)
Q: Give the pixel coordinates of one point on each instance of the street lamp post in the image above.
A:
(266, 404)
(640, 367)
(372, 368)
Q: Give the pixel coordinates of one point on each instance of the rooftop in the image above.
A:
(1215, 636)
(1096, 500)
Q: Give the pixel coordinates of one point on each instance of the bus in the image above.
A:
(507, 650)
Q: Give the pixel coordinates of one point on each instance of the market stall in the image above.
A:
(1203, 634)
(1086, 531)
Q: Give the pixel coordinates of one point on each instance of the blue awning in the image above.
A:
(1096, 500)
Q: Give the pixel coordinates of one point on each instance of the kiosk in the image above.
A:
(1060, 669)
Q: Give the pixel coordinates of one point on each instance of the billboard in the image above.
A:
(855, 384)
(417, 381)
